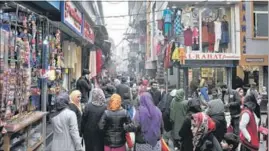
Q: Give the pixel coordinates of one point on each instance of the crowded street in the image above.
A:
(122, 75)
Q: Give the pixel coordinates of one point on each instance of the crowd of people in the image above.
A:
(121, 115)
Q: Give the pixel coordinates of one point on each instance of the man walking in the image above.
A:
(84, 86)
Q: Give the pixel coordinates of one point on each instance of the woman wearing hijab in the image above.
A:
(111, 123)
(93, 137)
(75, 106)
(65, 127)
(148, 125)
(178, 112)
(185, 132)
(216, 112)
(203, 138)
(248, 125)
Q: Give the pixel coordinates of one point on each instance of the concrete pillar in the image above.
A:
(229, 77)
(186, 81)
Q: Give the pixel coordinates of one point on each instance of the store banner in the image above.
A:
(88, 32)
(72, 16)
(212, 56)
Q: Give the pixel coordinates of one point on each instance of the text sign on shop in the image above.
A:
(212, 56)
(254, 59)
(71, 16)
(88, 32)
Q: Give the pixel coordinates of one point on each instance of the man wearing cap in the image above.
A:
(84, 86)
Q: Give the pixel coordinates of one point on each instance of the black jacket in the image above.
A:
(186, 136)
(221, 126)
(74, 108)
(93, 136)
(124, 91)
(112, 124)
(234, 103)
(84, 86)
(156, 96)
(208, 143)
(164, 106)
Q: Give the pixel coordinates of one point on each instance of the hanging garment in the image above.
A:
(182, 55)
(99, 61)
(188, 37)
(217, 27)
(167, 56)
(92, 64)
(160, 24)
(158, 49)
(211, 36)
(175, 55)
(167, 15)
(167, 28)
(177, 25)
(195, 35)
(204, 32)
(225, 32)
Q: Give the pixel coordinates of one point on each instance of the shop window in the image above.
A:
(216, 27)
(260, 19)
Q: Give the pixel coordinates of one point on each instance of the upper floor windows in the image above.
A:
(260, 19)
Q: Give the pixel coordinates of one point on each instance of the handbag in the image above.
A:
(164, 145)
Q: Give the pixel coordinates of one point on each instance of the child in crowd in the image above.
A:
(230, 142)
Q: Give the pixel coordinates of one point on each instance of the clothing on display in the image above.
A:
(167, 15)
(182, 55)
(217, 27)
(225, 34)
(204, 32)
(211, 36)
(177, 22)
(99, 61)
(160, 24)
(188, 37)
(195, 35)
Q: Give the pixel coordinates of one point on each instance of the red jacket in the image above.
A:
(253, 145)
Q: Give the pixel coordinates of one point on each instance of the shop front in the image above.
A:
(253, 68)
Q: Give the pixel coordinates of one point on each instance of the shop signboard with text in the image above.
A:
(72, 16)
(88, 32)
(212, 56)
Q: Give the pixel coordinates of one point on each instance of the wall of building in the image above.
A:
(253, 46)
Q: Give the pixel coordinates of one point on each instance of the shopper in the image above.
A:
(203, 138)
(230, 142)
(124, 90)
(249, 125)
(234, 102)
(155, 93)
(185, 132)
(178, 112)
(84, 86)
(216, 112)
(75, 106)
(148, 125)
(241, 94)
(93, 136)
(65, 127)
(112, 122)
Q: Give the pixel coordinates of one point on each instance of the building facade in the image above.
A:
(253, 66)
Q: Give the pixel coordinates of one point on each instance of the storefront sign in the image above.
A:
(212, 56)
(243, 27)
(88, 32)
(71, 16)
(254, 59)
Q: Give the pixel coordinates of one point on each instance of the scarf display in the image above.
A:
(204, 125)
(149, 117)
(114, 103)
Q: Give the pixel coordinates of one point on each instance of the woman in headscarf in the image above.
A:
(216, 112)
(92, 135)
(248, 125)
(178, 114)
(147, 125)
(203, 138)
(75, 106)
(185, 132)
(111, 123)
(65, 127)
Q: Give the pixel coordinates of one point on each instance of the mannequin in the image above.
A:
(211, 34)
(167, 15)
(225, 34)
(217, 28)
(177, 23)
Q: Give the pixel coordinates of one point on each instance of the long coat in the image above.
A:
(65, 132)
(93, 136)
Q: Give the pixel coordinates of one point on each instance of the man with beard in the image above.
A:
(155, 93)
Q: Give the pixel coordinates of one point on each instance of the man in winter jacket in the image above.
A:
(124, 91)
(234, 103)
(84, 86)
(155, 93)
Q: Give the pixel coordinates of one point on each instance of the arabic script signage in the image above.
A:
(72, 16)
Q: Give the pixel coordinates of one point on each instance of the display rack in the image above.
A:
(24, 125)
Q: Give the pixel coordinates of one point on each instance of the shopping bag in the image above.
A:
(164, 145)
(129, 140)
